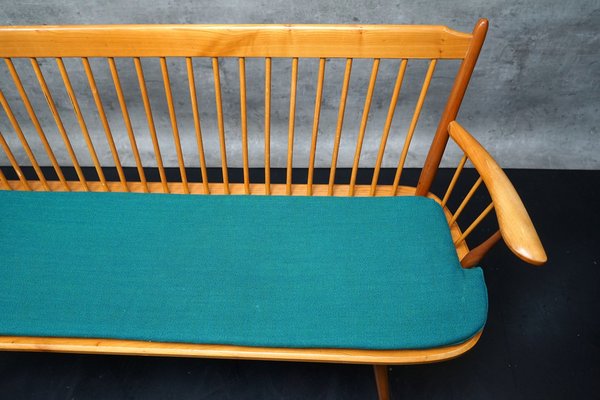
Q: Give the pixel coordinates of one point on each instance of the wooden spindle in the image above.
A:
(80, 120)
(387, 126)
(60, 125)
(3, 179)
(292, 116)
(474, 256)
(147, 107)
(134, 148)
(24, 143)
(36, 123)
(340, 123)
(219, 105)
(194, 101)
(268, 125)
(455, 177)
(474, 225)
(465, 201)
(107, 131)
(14, 164)
(315, 128)
(244, 124)
(174, 127)
(363, 125)
(413, 124)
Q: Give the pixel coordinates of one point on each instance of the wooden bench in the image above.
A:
(342, 272)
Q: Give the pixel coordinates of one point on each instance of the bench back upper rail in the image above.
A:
(135, 42)
(315, 41)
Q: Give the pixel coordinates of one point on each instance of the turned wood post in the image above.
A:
(438, 145)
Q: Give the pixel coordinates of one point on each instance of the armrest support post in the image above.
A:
(474, 256)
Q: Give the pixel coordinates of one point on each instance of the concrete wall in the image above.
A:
(533, 101)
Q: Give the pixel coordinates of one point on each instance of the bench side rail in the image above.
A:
(515, 226)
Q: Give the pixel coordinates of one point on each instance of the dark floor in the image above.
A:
(542, 339)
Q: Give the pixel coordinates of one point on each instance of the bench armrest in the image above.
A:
(516, 227)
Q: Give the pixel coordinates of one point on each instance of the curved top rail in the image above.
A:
(348, 41)
(516, 227)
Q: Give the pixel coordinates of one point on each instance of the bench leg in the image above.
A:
(382, 381)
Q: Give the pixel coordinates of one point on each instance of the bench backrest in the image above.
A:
(215, 42)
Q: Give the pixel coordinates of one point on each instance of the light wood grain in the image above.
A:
(220, 122)
(244, 124)
(3, 180)
(268, 125)
(107, 131)
(127, 120)
(24, 143)
(198, 129)
(298, 189)
(318, 41)
(36, 123)
(466, 200)
(340, 124)
(13, 162)
(388, 124)
(174, 127)
(475, 223)
(414, 121)
(61, 129)
(455, 177)
(130, 347)
(151, 127)
(291, 126)
(459, 88)
(363, 125)
(23, 140)
(516, 227)
(315, 127)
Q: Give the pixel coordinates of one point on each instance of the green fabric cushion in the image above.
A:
(371, 273)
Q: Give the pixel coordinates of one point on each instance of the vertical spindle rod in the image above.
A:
(148, 108)
(413, 124)
(268, 125)
(24, 143)
(107, 131)
(388, 124)
(36, 123)
(194, 101)
(315, 128)
(244, 124)
(339, 126)
(363, 125)
(219, 105)
(169, 95)
(128, 126)
(292, 118)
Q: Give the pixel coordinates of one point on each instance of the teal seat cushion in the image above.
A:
(302, 272)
